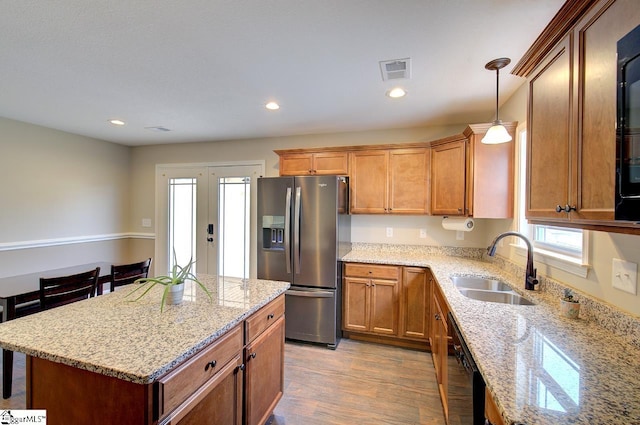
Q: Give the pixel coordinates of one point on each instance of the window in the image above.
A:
(561, 247)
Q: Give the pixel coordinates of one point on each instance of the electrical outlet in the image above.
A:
(459, 235)
(389, 232)
(423, 233)
(624, 276)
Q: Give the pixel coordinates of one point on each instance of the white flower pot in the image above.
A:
(175, 294)
(569, 309)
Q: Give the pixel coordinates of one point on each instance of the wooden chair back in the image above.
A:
(124, 274)
(57, 291)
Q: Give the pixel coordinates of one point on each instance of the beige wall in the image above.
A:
(603, 246)
(58, 187)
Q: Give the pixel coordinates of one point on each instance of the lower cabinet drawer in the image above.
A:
(263, 318)
(218, 401)
(178, 385)
(372, 271)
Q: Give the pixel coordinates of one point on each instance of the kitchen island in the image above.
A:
(110, 360)
(539, 367)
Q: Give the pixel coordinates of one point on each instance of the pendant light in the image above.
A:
(497, 133)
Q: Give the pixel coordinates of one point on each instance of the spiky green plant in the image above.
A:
(177, 276)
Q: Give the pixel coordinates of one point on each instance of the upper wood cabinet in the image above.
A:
(470, 178)
(448, 178)
(389, 181)
(572, 115)
(313, 163)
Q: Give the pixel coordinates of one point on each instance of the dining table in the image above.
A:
(20, 296)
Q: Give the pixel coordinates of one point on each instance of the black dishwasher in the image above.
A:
(465, 388)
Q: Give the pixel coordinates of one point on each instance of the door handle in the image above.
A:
(210, 232)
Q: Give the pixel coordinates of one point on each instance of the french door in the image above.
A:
(208, 213)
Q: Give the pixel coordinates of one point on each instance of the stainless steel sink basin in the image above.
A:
(473, 282)
(495, 296)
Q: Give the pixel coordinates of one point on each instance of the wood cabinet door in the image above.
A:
(219, 401)
(264, 373)
(549, 135)
(414, 303)
(355, 316)
(296, 164)
(384, 306)
(595, 40)
(329, 163)
(448, 178)
(409, 181)
(368, 182)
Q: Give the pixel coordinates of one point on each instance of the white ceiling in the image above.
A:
(205, 68)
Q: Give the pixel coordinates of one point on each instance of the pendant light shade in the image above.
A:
(497, 133)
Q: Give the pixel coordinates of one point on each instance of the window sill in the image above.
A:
(561, 262)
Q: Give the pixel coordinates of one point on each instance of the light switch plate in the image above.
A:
(146, 222)
(423, 233)
(389, 232)
(624, 276)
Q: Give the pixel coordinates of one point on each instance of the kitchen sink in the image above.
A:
(503, 297)
(473, 282)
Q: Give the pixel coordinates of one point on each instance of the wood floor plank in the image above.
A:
(358, 383)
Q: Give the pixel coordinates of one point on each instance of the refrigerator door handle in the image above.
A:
(296, 232)
(310, 294)
(287, 231)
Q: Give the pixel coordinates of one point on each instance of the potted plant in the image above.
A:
(173, 283)
(569, 306)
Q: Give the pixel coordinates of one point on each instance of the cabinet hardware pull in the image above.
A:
(567, 208)
(270, 316)
(437, 316)
(252, 355)
(241, 367)
(210, 365)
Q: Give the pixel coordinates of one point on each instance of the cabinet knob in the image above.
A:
(241, 367)
(459, 209)
(437, 316)
(210, 365)
(270, 316)
(252, 355)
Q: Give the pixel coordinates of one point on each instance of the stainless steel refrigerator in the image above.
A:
(304, 230)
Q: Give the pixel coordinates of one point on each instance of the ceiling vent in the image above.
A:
(395, 69)
(158, 129)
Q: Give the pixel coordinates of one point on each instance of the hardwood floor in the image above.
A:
(358, 383)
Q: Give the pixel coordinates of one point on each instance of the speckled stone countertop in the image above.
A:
(134, 341)
(540, 368)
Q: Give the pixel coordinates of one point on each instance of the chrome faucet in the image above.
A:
(530, 281)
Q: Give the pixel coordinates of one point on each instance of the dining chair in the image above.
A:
(124, 274)
(57, 291)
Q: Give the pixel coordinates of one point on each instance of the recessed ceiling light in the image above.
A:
(272, 106)
(396, 93)
(116, 122)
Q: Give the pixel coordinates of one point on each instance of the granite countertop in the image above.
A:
(540, 368)
(134, 341)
